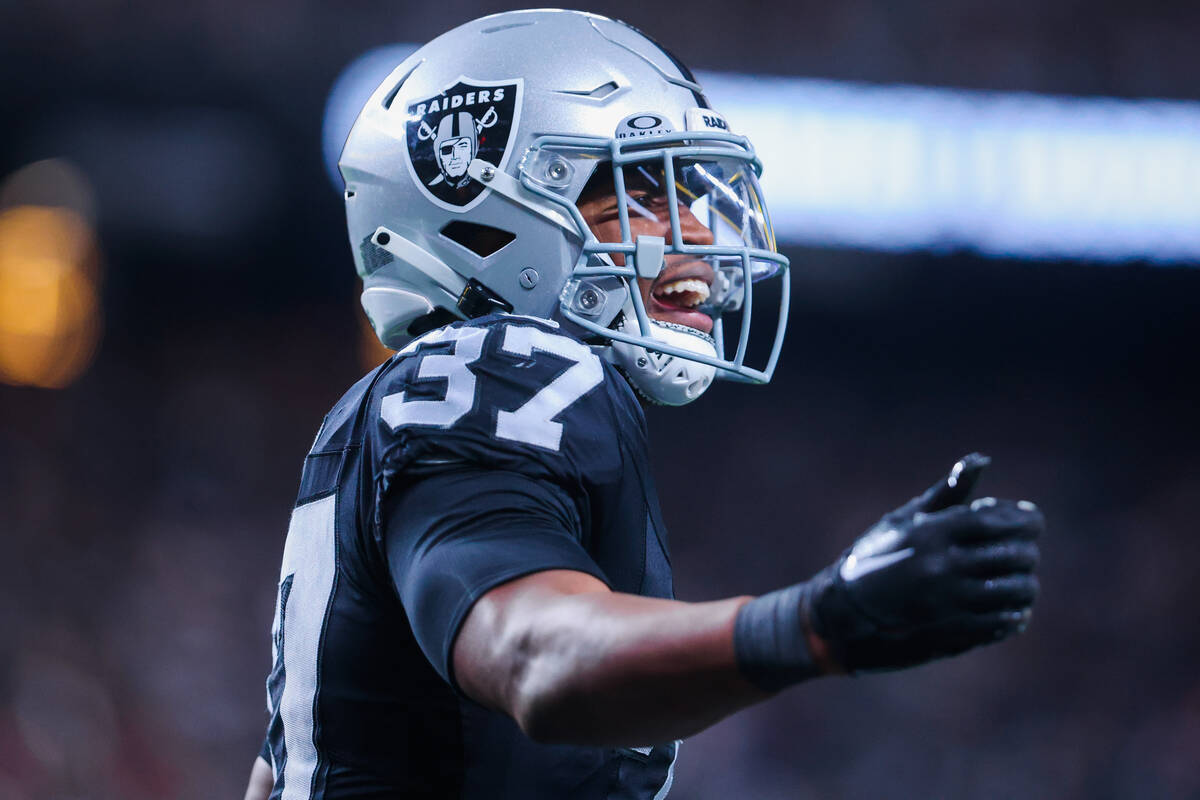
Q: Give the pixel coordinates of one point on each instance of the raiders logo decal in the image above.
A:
(471, 119)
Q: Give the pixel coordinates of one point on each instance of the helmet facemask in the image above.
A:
(681, 215)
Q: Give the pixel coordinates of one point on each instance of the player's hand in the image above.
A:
(931, 579)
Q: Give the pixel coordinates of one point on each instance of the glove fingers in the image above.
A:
(963, 633)
(995, 625)
(989, 518)
(1007, 592)
(995, 558)
(952, 490)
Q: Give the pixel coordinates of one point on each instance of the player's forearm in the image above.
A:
(616, 669)
(645, 671)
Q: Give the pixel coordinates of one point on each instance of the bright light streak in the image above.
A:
(901, 167)
(1006, 174)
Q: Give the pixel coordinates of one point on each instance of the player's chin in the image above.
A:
(679, 315)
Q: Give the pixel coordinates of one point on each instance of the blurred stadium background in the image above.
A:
(993, 216)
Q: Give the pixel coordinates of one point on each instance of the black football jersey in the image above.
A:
(483, 451)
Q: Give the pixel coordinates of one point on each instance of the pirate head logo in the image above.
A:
(446, 132)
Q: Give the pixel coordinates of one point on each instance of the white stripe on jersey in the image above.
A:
(666, 787)
(309, 556)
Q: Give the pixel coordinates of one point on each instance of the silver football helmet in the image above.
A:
(465, 169)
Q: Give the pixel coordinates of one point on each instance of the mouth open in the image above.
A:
(677, 294)
(686, 293)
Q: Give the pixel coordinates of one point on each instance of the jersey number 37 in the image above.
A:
(531, 423)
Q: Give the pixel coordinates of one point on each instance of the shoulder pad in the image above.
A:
(340, 428)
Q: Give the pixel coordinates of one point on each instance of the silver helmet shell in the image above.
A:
(538, 98)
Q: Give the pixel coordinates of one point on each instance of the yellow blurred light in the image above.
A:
(49, 310)
(30, 299)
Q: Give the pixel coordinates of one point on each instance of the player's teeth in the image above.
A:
(692, 285)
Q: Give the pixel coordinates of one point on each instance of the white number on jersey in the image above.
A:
(309, 559)
(460, 381)
(534, 422)
(531, 423)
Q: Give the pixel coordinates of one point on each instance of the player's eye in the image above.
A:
(608, 211)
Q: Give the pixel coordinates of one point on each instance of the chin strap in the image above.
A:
(660, 378)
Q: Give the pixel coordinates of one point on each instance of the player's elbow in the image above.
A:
(541, 699)
(543, 730)
(503, 667)
(533, 721)
(546, 719)
(523, 650)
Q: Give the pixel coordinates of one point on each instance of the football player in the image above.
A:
(475, 599)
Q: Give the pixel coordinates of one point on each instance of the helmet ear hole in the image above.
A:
(482, 240)
(372, 256)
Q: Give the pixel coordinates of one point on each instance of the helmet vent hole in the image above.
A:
(599, 93)
(387, 100)
(482, 240)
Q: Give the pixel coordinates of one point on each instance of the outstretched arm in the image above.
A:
(571, 661)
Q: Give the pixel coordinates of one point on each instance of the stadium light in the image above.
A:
(50, 315)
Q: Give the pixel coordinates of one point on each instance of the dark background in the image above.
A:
(143, 508)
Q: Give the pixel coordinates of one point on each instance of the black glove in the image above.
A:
(931, 579)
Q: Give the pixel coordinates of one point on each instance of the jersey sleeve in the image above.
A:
(452, 536)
